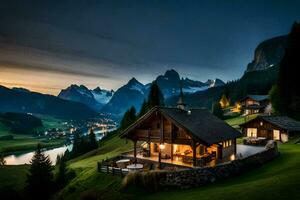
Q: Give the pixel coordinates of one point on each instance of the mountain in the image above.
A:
(214, 83)
(131, 94)
(268, 53)
(102, 96)
(95, 99)
(134, 93)
(170, 83)
(261, 74)
(24, 101)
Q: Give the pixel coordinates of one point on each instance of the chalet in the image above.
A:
(271, 127)
(189, 137)
(252, 104)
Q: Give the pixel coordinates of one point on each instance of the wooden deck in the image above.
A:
(175, 162)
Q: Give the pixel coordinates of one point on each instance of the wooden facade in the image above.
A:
(260, 127)
(167, 138)
(253, 104)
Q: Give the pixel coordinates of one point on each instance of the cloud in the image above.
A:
(48, 68)
(14, 56)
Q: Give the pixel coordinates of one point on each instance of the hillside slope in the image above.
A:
(12, 100)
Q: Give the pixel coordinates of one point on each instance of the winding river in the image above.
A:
(24, 158)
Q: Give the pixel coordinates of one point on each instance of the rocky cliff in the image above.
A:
(268, 54)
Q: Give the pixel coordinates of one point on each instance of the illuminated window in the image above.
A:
(251, 132)
(276, 135)
(229, 142)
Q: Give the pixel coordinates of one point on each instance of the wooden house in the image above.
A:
(271, 127)
(252, 104)
(192, 136)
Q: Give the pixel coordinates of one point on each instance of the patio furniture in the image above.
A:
(122, 163)
(135, 167)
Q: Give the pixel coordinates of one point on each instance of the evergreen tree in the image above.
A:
(93, 144)
(128, 118)
(40, 178)
(155, 97)
(217, 110)
(77, 145)
(286, 96)
(144, 108)
(62, 173)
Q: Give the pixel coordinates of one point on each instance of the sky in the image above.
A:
(47, 45)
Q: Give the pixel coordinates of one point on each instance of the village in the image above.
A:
(176, 138)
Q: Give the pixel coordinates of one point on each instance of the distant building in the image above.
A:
(252, 104)
(271, 127)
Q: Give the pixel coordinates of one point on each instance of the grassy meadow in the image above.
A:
(278, 179)
(22, 142)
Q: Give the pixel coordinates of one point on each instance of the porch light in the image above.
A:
(232, 157)
(162, 146)
(261, 123)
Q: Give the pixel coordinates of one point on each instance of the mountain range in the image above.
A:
(24, 101)
(133, 93)
(95, 98)
(81, 102)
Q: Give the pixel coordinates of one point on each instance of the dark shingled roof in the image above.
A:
(283, 122)
(199, 122)
(256, 97)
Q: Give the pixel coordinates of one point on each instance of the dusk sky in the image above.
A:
(47, 45)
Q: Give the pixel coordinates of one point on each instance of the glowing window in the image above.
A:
(276, 135)
(251, 132)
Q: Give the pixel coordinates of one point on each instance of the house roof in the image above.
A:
(283, 122)
(256, 97)
(199, 122)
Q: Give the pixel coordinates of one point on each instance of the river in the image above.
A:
(24, 158)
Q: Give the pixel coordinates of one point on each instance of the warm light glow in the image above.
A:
(162, 146)
(232, 157)
(237, 108)
(175, 148)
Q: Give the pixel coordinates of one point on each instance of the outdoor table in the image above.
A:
(122, 163)
(135, 167)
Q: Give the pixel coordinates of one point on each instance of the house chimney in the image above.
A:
(180, 103)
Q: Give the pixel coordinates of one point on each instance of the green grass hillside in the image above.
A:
(90, 183)
(22, 142)
(236, 121)
(279, 179)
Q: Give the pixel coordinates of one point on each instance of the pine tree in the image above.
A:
(93, 144)
(128, 118)
(40, 178)
(144, 109)
(77, 145)
(155, 97)
(62, 173)
(217, 110)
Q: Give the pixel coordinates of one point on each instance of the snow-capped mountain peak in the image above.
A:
(102, 96)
